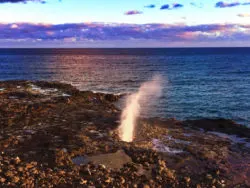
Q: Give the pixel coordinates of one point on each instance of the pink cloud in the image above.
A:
(133, 12)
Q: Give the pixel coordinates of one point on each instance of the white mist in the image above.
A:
(150, 90)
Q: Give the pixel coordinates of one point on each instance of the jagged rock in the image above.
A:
(45, 129)
(9, 174)
(2, 180)
(15, 179)
(17, 160)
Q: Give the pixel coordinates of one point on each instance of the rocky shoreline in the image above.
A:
(53, 135)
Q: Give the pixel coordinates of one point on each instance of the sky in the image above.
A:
(130, 23)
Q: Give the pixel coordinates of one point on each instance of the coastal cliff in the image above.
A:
(53, 135)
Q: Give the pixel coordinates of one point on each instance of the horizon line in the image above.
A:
(1, 48)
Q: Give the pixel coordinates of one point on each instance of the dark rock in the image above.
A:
(220, 125)
(72, 141)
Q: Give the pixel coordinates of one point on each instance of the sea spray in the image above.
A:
(150, 90)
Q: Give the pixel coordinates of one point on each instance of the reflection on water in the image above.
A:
(198, 85)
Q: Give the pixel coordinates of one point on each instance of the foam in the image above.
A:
(48, 91)
(177, 141)
(43, 91)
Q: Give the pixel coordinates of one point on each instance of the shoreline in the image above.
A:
(48, 127)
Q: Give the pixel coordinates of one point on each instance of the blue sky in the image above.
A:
(130, 23)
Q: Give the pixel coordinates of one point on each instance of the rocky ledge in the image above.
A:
(53, 135)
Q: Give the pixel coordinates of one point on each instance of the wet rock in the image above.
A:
(220, 125)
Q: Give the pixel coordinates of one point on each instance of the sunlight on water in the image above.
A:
(209, 85)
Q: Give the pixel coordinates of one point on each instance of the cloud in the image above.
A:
(246, 3)
(174, 6)
(200, 5)
(222, 4)
(177, 5)
(163, 7)
(123, 32)
(21, 1)
(133, 12)
(150, 6)
(244, 15)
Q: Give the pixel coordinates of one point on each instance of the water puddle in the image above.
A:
(80, 160)
(159, 146)
(111, 160)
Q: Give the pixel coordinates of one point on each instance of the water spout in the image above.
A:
(150, 90)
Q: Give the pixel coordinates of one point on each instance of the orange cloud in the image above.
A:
(244, 15)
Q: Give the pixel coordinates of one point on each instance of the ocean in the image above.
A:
(199, 82)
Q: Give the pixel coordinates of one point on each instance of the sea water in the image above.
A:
(201, 82)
